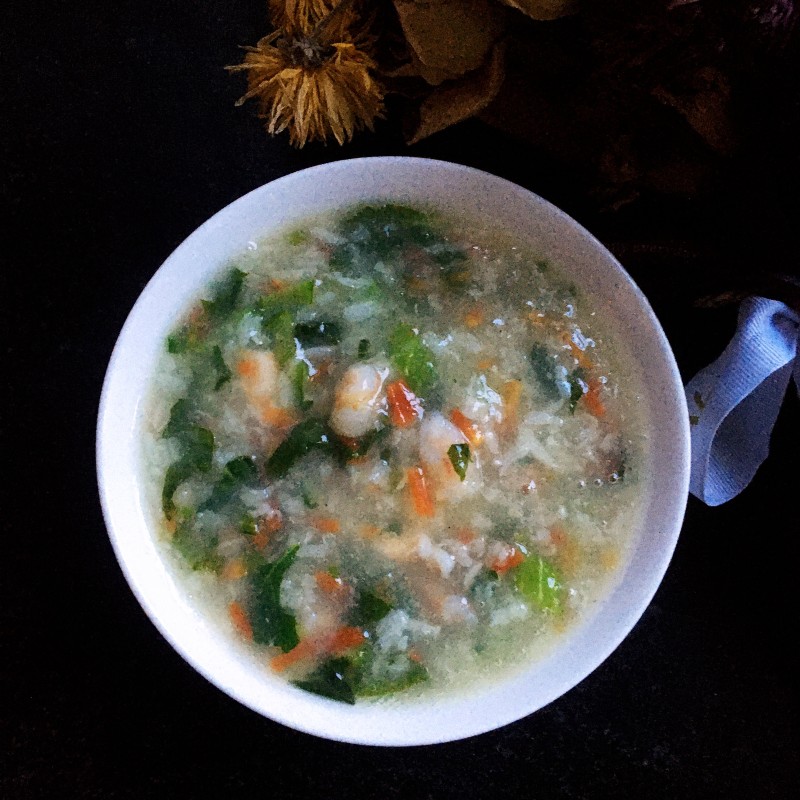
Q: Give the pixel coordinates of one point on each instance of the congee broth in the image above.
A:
(393, 452)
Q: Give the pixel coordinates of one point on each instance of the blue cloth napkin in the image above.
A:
(734, 402)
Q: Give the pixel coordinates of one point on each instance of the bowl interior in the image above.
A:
(455, 189)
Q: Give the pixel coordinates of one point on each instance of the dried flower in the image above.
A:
(314, 75)
(297, 17)
(312, 88)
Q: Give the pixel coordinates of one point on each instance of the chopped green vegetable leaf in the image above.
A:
(270, 622)
(304, 437)
(248, 525)
(577, 388)
(544, 368)
(297, 237)
(299, 382)
(225, 295)
(197, 451)
(538, 580)
(363, 349)
(330, 680)
(199, 550)
(459, 456)
(220, 367)
(415, 674)
(417, 363)
(694, 419)
(318, 334)
(281, 330)
(369, 609)
(310, 499)
(289, 299)
(180, 419)
(179, 342)
(238, 472)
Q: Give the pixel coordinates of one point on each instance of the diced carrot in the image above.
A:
(247, 367)
(594, 405)
(404, 405)
(338, 642)
(261, 540)
(345, 639)
(369, 531)
(271, 522)
(350, 442)
(305, 648)
(581, 356)
(239, 619)
(414, 655)
(511, 392)
(511, 558)
(470, 429)
(537, 318)
(465, 535)
(485, 364)
(328, 583)
(474, 317)
(276, 285)
(234, 570)
(420, 492)
(567, 550)
(326, 524)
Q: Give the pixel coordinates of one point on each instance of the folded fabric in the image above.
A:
(734, 402)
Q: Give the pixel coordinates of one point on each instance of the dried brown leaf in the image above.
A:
(544, 9)
(461, 99)
(449, 38)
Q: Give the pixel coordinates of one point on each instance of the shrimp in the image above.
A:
(359, 400)
(261, 380)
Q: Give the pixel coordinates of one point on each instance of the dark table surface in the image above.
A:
(122, 137)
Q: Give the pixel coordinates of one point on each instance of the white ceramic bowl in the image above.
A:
(452, 188)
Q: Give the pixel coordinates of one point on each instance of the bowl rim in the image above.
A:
(274, 699)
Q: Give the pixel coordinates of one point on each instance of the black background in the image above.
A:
(121, 137)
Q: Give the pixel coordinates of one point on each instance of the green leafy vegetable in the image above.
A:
(197, 548)
(416, 673)
(225, 295)
(304, 437)
(544, 368)
(270, 622)
(363, 349)
(280, 328)
(180, 419)
(369, 609)
(330, 680)
(538, 580)
(460, 457)
(197, 450)
(220, 367)
(248, 525)
(317, 334)
(289, 299)
(237, 473)
(178, 343)
(310, 498)
(414, 360)
(577, 388)
(299, 382)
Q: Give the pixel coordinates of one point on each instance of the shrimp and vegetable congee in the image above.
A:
(398, 449)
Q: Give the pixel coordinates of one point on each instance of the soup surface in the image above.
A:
(397, 450)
